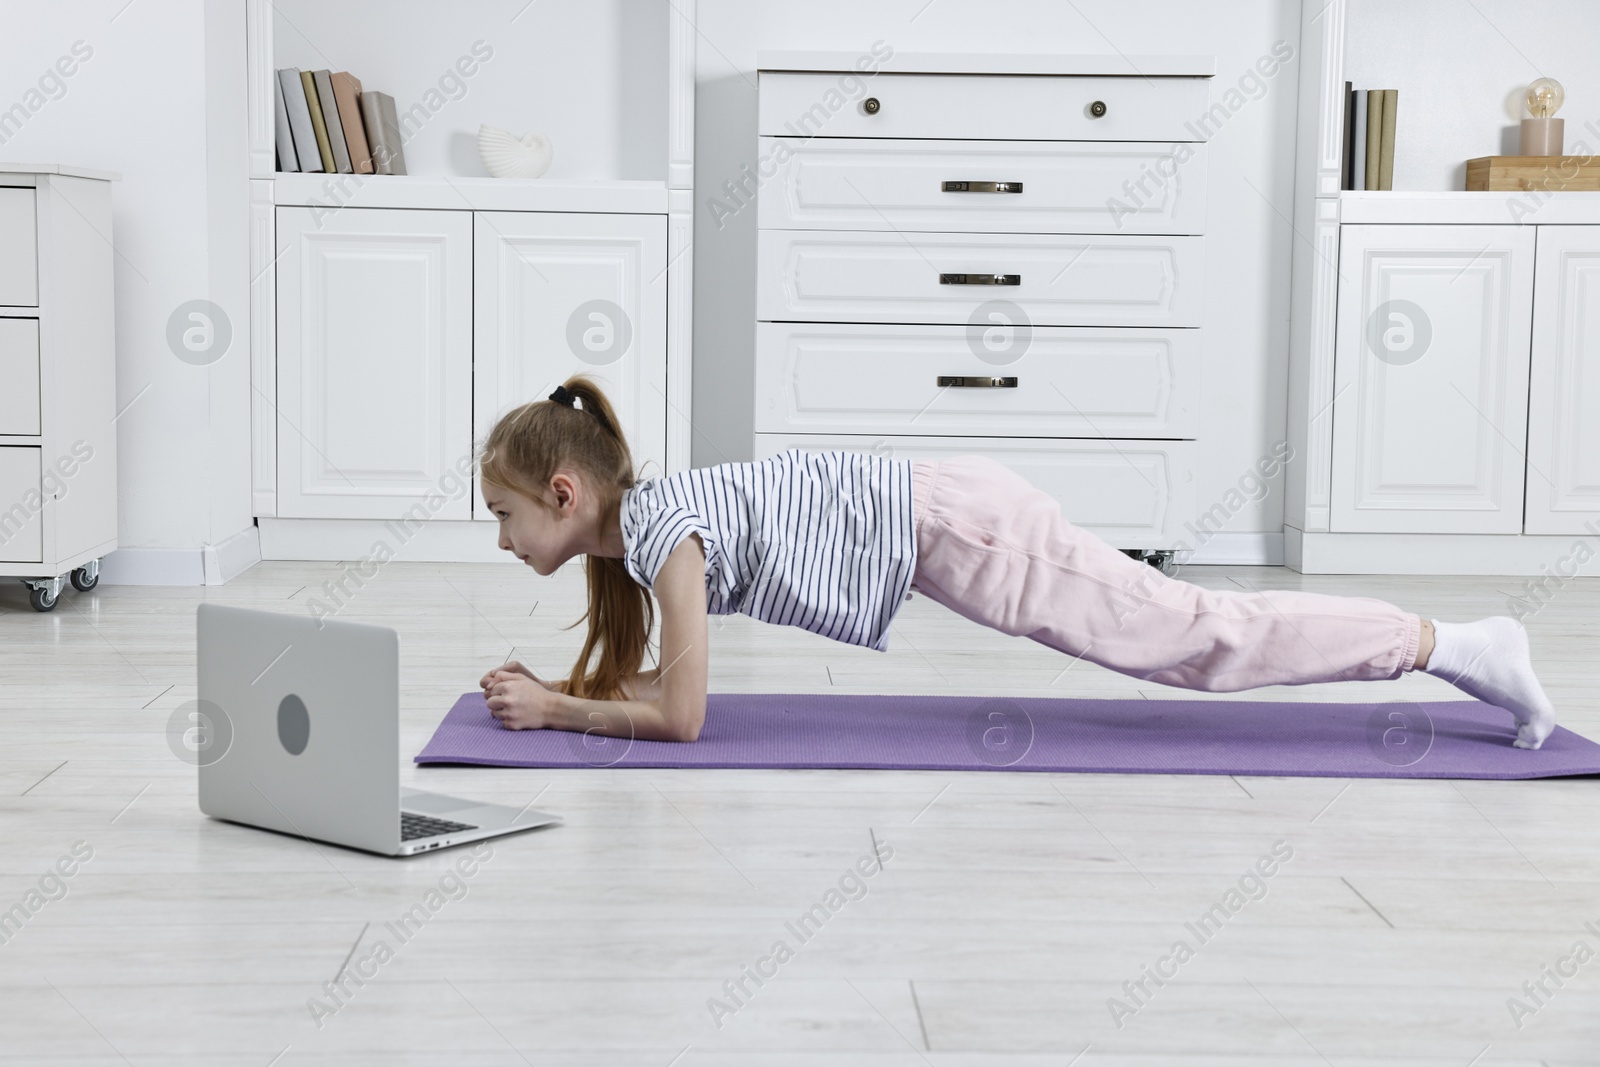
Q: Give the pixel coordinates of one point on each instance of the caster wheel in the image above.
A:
(42, 599)
(1161, 560)
(83, 580)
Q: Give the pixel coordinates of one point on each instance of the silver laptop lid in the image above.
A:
(311, 712)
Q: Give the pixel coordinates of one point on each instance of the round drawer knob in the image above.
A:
(870, 105)
(1097, 108)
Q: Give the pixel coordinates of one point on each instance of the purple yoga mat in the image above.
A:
(1392, 739)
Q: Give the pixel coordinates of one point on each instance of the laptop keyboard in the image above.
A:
(413, 826)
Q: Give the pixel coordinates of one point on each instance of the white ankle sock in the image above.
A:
(1488, 659)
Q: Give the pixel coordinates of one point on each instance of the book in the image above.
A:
(1374, 136)
(284, 140)
(1391, 102)
(308, 85)
(294, 102)
(1346, 149)
(346, 89)
(330, 119)
(392, 135)
(383, 133)
(1358, 143)
(372, 121)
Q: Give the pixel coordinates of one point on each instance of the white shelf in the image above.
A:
(469, 194)
(1096, 64)
(1484, 208)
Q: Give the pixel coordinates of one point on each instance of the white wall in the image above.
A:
(1462, 69)
(138, 106)
(1250, 193)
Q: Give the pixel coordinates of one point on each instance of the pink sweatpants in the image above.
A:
(995, 549)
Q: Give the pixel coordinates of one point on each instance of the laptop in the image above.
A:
(305, 737)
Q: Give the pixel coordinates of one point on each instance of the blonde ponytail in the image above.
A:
(521, 454)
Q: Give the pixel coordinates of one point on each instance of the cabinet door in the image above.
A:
(1431, 378)
(561, 293)
(374, 363)
(1564, 384)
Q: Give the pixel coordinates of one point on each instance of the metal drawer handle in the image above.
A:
(980, 187)
(976, 381)
(980, 279)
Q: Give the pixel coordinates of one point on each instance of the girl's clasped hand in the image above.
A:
(520, 699)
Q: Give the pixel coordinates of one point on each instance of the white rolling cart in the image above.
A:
(58, 437)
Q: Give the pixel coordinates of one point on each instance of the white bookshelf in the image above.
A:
(1503, 488)
(610, 83)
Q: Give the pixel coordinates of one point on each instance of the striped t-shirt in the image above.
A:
(819, 540)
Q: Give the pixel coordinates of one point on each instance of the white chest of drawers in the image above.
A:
(1002, 255)
(58, 435)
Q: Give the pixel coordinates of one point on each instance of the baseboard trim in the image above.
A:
(206, 565)
(1238, 550)
(1555, 557)
(153, 566)
(435, 541)
(226, 561)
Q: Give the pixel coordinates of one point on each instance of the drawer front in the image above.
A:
(869, 276)
(984, 186)
(989, 106)
(21, 506)
(1134, 494)
(19, 249)
(1069, 381)
(19, 377)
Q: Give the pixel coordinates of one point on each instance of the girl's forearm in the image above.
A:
(644, 720)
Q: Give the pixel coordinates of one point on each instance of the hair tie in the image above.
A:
(562, 396)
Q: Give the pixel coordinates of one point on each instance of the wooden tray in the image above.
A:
(1518, 173)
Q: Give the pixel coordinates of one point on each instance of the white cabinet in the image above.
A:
(394, 317)
(1431, 378)
(403, 335)
(1564, 384)
(374, 362)
(558, 293)
(58, 387)
(1008, 262)
(1482, 455)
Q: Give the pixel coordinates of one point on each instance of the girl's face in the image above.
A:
(541, 538)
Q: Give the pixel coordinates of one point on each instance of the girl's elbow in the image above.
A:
(686, 727)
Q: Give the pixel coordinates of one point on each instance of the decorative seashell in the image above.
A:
(505, 155)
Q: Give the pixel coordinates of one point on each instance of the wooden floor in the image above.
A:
(1013, 907)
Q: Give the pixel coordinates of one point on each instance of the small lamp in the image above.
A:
(1542, 135)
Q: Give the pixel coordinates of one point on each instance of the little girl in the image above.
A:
(833, 542)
